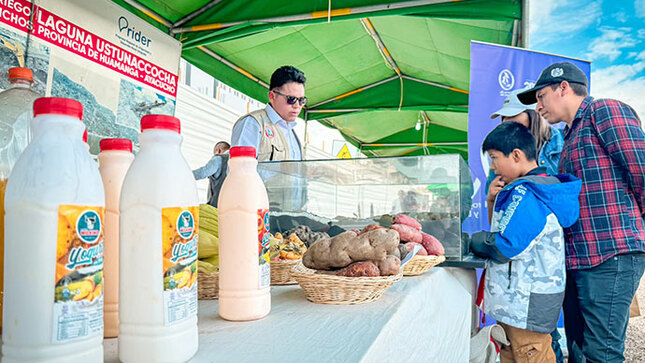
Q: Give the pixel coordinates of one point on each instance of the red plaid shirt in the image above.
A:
(605, 147)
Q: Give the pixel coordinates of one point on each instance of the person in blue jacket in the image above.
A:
(525, 270)
(215, 170)
(549, 142)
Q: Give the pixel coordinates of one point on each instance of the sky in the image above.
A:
(609, 33)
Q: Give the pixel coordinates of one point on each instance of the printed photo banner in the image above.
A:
(117, 65)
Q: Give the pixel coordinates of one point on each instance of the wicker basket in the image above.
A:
(281, 272)
(330, 289)
(207, 285)
(421, 264)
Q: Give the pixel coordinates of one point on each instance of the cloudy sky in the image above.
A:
(609, 33)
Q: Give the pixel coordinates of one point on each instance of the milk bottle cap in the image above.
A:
(58, 106)
(116, 144)
(21, 73)
(242, 151)
(161, 122)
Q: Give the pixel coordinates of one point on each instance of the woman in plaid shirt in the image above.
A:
(604, 145)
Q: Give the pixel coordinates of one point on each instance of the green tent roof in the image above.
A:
(374, 68)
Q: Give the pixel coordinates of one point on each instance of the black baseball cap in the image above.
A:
(555, 73)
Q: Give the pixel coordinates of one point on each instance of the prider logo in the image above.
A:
(132, 33)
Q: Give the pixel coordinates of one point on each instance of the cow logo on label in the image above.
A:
(88, 226)
(185, 224)
(268, 132)
(506, 79)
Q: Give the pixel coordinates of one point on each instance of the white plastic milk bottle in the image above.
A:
(53, 307)
(17, 105)
(244, 268)
(114, 160)
(158, 251)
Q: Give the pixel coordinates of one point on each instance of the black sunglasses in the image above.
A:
(291, 100)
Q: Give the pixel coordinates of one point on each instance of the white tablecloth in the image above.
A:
(425, 318)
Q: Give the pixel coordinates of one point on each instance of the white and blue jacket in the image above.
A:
(525, 271)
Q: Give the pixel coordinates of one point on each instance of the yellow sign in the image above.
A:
(344, 153)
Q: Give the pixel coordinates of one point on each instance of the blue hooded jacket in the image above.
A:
(525, 275)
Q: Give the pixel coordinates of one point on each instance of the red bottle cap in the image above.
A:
(21, 73)
(242, 151)
(116, 144)
(162, 122)
(58, 106)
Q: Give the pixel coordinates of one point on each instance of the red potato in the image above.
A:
(432, 245)
(360, 269)
(370, 227)
(410, 247)
(407, 233)
(407, 220)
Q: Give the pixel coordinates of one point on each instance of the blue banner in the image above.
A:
(495, 71)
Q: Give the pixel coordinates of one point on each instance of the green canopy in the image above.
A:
(391, 76)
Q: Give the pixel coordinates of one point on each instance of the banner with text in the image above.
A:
(495, 71)
(117, 65)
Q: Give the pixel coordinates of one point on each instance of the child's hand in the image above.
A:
(495, 186)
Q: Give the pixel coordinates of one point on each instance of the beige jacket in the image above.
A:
(273, 144)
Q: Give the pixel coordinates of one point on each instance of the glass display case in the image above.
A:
(340, 194)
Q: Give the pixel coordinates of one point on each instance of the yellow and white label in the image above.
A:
(179, 235)
(264, 248)
(78, 291)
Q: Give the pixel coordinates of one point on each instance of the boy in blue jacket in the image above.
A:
(525, 270)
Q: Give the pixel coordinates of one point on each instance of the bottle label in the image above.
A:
(264, 248)
(179, 233)
(78, 291)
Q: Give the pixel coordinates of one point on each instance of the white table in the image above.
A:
(425, 318)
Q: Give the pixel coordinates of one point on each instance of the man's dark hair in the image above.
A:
(509, 136)
(578, 89)
(223, 145)
(286, 74)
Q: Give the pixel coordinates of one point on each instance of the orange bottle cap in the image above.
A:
(21, 72)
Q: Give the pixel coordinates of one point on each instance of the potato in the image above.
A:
(407, 233)
(348, 247)
(432, 245)
(407, 220)
(410, 247)
(360, 269)
(389, 266)
(403, 251)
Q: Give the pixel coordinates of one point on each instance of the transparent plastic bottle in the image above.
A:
(16, 105)
(54, 244)
(245, 271)
(114, 161)
(158, 249)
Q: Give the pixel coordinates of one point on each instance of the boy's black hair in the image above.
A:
(509, 136)
(286, 74)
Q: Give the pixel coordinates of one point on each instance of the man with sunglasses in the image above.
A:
(604, 146)
(271, 130)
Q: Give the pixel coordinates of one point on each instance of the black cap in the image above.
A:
(555, 73)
